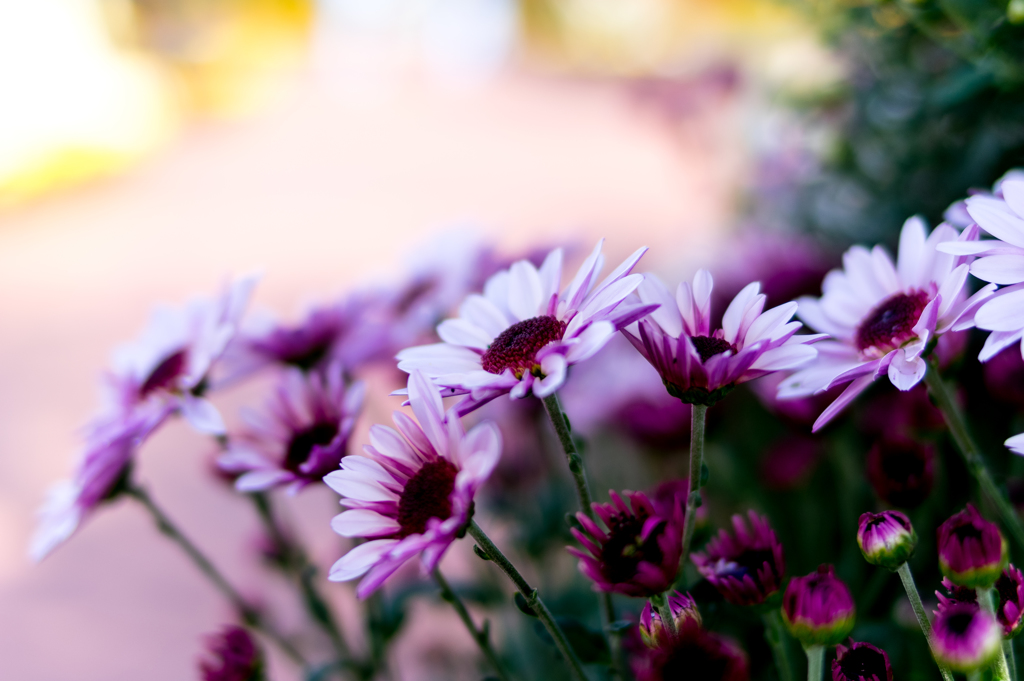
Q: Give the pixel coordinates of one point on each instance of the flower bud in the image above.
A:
(684, 614)
(860, 662)
(901, 470)
(818, 608)
(233, 656)
(966, 637)
(746, 566)
(694, 653)
(972, 551)
(887, 538)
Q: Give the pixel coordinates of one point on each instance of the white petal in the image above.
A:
(911, 256)
(524, 290)
(354, 485)
(551, 275)
(259, 480)
(999, 269)
(968, 247)
(363, 523)
(1013, 194)
(1016, 444)
(481, 449)
(388, 442)
(996, 342)
(732, 320)
(785, 357)
(623, 269)
(593, 338)
(766, 323)
(996, 218)
(438, 359)
(484, 314)
(1002, 313)
(360, 559)
(465, 333)
(202, 415)
(553, 366)
(702, 286)
(906, 372)
(429, 410)
(651, 290)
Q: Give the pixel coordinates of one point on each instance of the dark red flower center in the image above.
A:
(863, 663)
(302, 443)
(516, 347)
(625, 548)
(427, 495)
(891, 322)
(709, 346)
(166, 371)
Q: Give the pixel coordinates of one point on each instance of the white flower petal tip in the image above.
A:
(1016, 444)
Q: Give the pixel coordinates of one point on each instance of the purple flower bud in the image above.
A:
(233, 656)
(818, 608)
(1010, 609)
(966, 637)
(684, 612)
(901, 470)
(887, 538)
(746, 567)
(639, 553)
(694, 654)
(860, 662)
(972, 551)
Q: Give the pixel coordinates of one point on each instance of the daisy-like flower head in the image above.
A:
(746, 566)
(302, 437)
(638, 555)
(701, 366)
(694, 653)
(966, 637)
(521, 335)
(103, 464)
(1010, 607)
(171, 362)
(883, 316)
(999, 260)
(413, 492)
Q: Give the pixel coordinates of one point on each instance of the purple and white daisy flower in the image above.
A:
(700, 366)
(413, 492)
(522, 335)
(302, 438)
(102, 465)
(883, 316)
(169, 365)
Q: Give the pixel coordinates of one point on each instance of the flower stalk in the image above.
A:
(922, 616)
(553, 407)
(660, 602)
(774, 633)
(987, 600)
(532, 597)
(693, 499)
(482, 635)
(943, 397)
(815, 662)
(246, 611)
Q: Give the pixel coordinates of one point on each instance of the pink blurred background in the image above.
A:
(361, 154)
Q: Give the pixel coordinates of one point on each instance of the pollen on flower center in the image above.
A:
(709, 346)
(165, 372)
(624, 549)
(863, 663)
(427, 495)
(516, 347)
(302, 443)
(891, 322)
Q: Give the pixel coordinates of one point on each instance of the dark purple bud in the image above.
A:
(887, 538)
(972, 551)
(694, 654)
(684, 614)
(818, 608)
(232, 656)
(860, 662)
(901, 471)
(966, 637)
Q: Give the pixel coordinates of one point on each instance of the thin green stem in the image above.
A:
(532, 599)
(660, 602)
(1011, 658)
(249, 614)
(579, 475)
(1000, 669)
(693, 499)
(815, 662)
(943, 397)
(922, 615)
(775, 634)
(295, 562)
(481, 636)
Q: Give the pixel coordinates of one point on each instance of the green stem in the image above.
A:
(969, 450)
(775, 634)
(1011, 659)
(295, 562)
(532, 599)
(815, 662)
(693, 499)
(481, 636)
(660, 603)
(579, 476)
(922, 615)
(249, 614)
(1000, 669)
